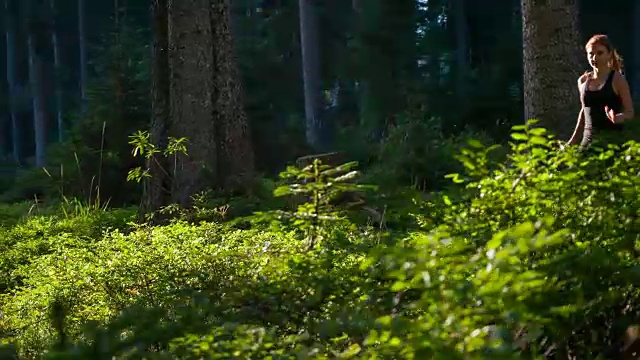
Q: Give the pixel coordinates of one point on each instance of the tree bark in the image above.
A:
(57, 66)
(236, 165)
(310, 46)
(158, 187)
(12, 77)
(36, 35)
(191, 87)
(197, 95)
(551, 63)
(82, 47)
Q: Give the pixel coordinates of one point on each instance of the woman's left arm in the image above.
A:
(621, 87)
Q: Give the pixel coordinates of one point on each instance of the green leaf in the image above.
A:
(538, 140)
(475, 144)
(399, 286)
(455, 178)
(350, 352)
(281, 191)
(538, 131)
(495, 242)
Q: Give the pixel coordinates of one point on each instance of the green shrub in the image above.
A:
(418, 153)
(528, 258)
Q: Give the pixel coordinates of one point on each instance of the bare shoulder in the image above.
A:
(620, 83)
(583, 78)
(618, 77)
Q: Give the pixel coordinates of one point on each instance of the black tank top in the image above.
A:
(594, 101)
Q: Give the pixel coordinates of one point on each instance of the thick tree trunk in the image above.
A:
(192, 72)
(551, 63)
(197, 95)
(158, 186)
(236, 165)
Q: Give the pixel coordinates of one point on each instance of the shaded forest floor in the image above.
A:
(531, 260)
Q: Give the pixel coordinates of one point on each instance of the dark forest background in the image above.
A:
(313, 179)
(432, 69)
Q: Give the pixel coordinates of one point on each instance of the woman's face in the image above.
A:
(598, 56)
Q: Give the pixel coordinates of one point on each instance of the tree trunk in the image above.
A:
(374, 84)
(82, 46)
(236, 164)
(12, 77)
(36, 31)
(199, 86)
(191, 87)
(310, 46)
(57, 70)
(551, 63)
(157, 187)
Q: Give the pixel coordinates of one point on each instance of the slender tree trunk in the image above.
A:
(12, 77)
(309, 44)
(118, 63)
(236, 162)
(35, 43)
(551, 63)
(82, 47)
(157, 187)
(57, 70)
(120, 11)
(3, 138)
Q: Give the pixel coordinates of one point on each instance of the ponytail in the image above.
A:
(616, 61)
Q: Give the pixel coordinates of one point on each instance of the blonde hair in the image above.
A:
(616, 62)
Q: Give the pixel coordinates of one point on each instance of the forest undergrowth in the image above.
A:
(534, 259)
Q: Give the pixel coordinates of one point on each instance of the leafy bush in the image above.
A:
(33, 236)
(529, 258)
(418, 153)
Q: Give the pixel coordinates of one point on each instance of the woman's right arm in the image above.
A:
(580, 123)
(579, 128)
